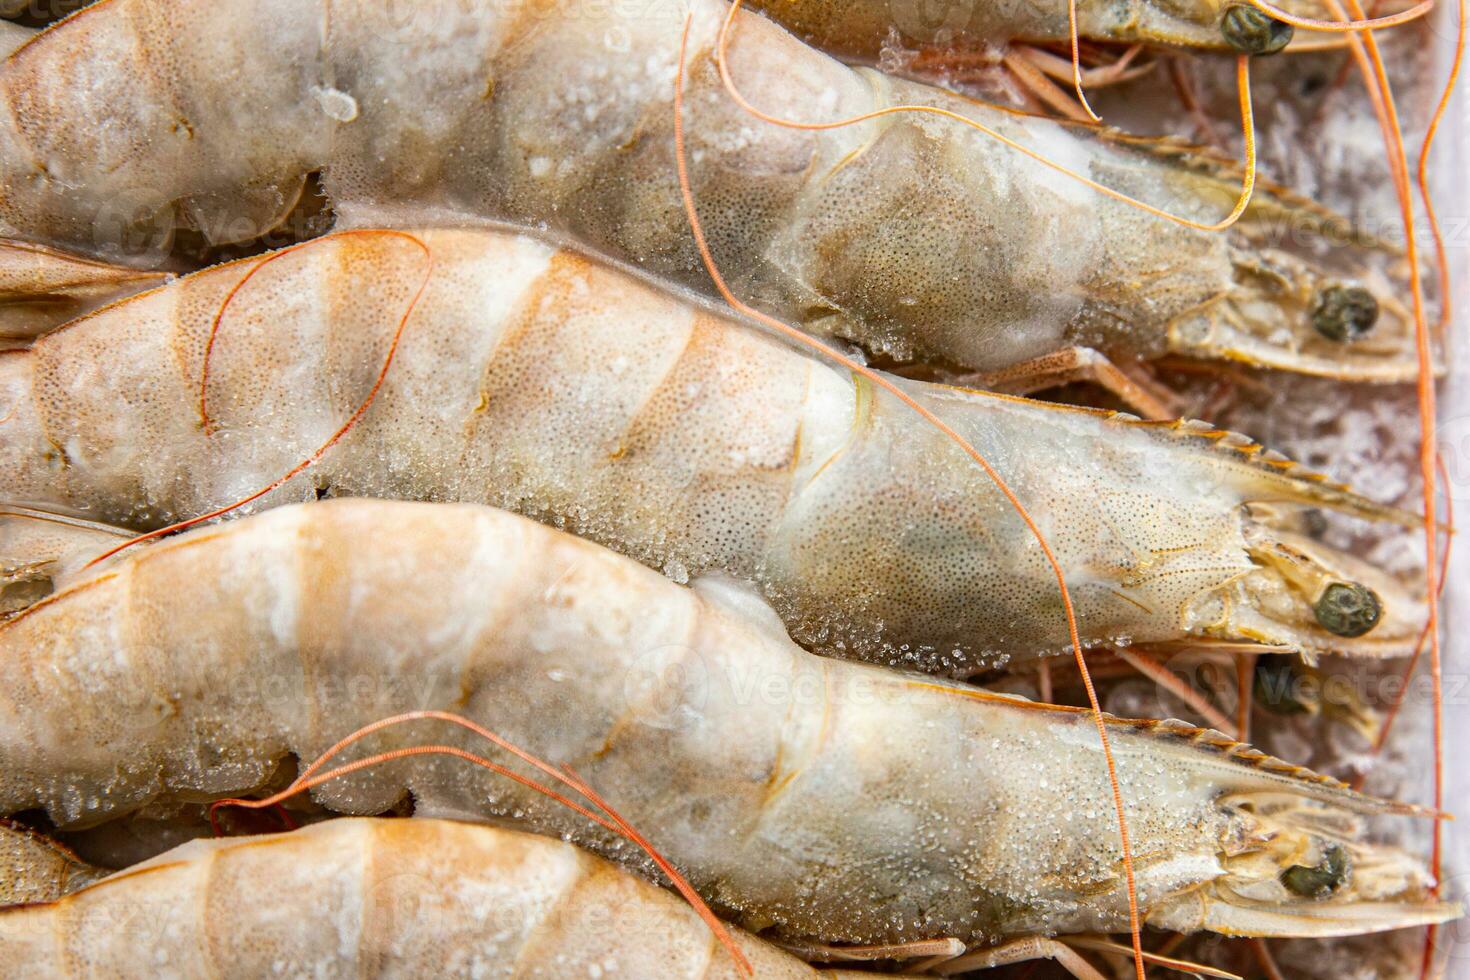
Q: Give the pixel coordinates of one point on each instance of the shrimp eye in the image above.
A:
(1344, 313)
(1253, 31)
(1323, 878)
(1348, 609)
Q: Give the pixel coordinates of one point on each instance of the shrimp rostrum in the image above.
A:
(781, 783)
(913, 236)
(371, 898)
(535, 379)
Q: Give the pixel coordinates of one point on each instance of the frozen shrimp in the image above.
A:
(916, 238)
(40, 549)
(862, 28)
(538, 380)
(370, 898)
(41, 288)
(825, 799)
(35, 868)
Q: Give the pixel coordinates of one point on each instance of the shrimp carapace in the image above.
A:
(863, 28)
(41, 288)
(40, 550)
(34, 868)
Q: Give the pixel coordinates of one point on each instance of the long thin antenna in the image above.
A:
(795, 335)
(1247, 117)
(612, 821)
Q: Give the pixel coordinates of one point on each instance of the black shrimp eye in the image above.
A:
(1322, 879)
(1250, 30)
(1348, 609)
(1344, 313)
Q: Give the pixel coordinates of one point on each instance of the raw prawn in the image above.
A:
(912, 236)
(35, 868)
(41, 287)
(37, 549)
(372, 898)
(538, 380)
(824, 799)
(861, 28)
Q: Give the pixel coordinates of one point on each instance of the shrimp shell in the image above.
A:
(35, 868)
(863, 28)
(537, 380)
(41, 288)
(377, 898)
(829, 800)
(38, 549)
(913, 236)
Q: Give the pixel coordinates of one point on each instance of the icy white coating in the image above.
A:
(913, 236)
(539, 381)
(824, 798)
(378, 898)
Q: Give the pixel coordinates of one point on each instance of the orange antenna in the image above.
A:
(1242, 75)
(1076, 59)
(336, 436)
(1441, 260)
(612, 821)
(1266, 960)
(1344, 25)
(1375, 77)
(1245, 669)
(1408, 672)
(791, 333)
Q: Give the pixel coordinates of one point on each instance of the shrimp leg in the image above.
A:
(1149, 399)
